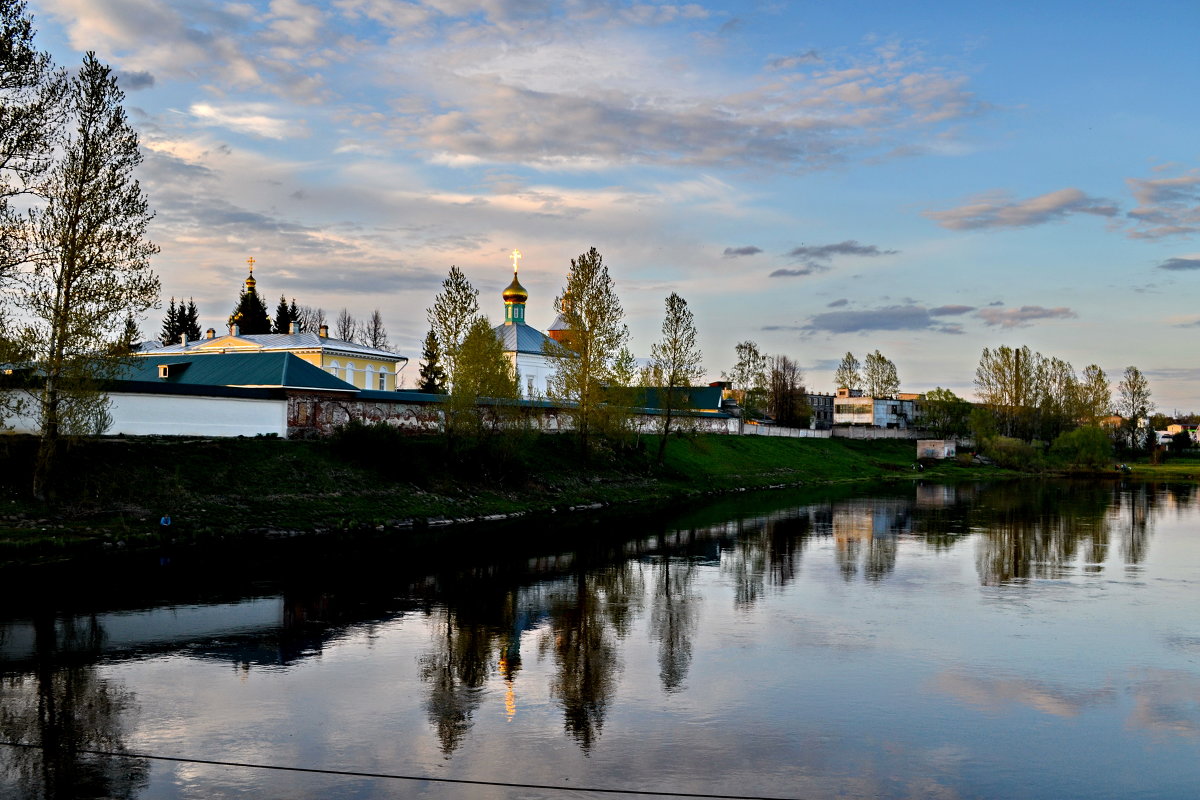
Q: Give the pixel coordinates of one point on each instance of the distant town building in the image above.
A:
(852, 407)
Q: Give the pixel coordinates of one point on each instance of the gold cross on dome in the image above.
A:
(250, 261)
(516, 256)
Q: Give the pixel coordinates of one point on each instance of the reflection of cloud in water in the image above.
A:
(996, 694)
(1167, 701)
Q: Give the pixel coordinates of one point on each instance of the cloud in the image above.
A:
(792, 273)
(838, 303)
(588, 99)
(789, 62)
(253, 118)
(1180, 264)
(1023, 316)
(826, 252)
(998, 211)
(886, 318)
(819, 258)
(950, 311)
(134, 80)
(1166, 206)
(750, 250)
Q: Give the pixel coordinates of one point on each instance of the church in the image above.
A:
(526, 347)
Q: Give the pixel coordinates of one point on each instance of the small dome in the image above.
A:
(515, 293)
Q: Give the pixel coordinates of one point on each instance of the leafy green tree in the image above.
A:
(454, 311)
(749, 378)
(1086, 448)
(879, 376)
(31, 111)
(848, 374)
(594, 337)
(96, 263)
(484, 373)
(945, 414)
(1135, 407)
(433, 379)
(1093, 399)
(675, 362)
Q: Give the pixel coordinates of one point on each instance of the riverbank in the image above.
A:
(114, 493)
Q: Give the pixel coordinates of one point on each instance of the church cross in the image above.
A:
(250, 261)
(516, 256)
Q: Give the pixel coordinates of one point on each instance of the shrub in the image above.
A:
(1087, 448)
(1012, 453)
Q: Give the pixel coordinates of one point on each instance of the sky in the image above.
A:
(923, 179)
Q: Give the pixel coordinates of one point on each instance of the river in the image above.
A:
(1016, 639)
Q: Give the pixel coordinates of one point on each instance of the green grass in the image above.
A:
(113, 492)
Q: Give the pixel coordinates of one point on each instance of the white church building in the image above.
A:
(525, 346)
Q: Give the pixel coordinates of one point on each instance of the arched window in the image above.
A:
(334, 368)
(383, 378)
(369, 377)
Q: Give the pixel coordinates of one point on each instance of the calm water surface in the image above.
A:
(976, 641)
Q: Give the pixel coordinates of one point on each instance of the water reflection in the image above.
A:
(556, 621)
(65, 707)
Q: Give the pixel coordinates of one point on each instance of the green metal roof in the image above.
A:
(283, 370)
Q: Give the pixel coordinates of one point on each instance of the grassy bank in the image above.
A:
(113, 493)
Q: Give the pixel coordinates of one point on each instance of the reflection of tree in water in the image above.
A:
(66, 707)
(456, 670)
(587, 613)
(766, 551)
(1041, 530)
(673, 618)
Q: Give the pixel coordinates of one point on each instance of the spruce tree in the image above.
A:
(170, 325)
(285, 315)
(433, 378)
(250, 314)
(189, 320)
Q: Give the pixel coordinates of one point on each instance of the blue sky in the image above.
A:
(923, 179)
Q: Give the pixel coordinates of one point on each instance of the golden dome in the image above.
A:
(515, 293)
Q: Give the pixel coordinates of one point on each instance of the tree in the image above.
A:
(749, 377)
(1093, 399)
(879, 375)
(452, 314)
(31, 112)
(92, 265)
(130, 336)
(250, 313)
(433, 379)
(595, 335)
(848, 373)
(373, 332)
(785, 392)
(945, 414)
(310, 318)
(285, 316)
(170, 325)
(484, 372)
(346, 327)
(189, 320)
(1134, 405)
(674, 364)
(1005, 382)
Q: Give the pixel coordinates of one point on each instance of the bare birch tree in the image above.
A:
(675, 362)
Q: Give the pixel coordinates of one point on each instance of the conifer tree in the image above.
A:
(170, 325)
(433, 378)
(189, 320)
(250, 314)
(452, 314)
(285, 315)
